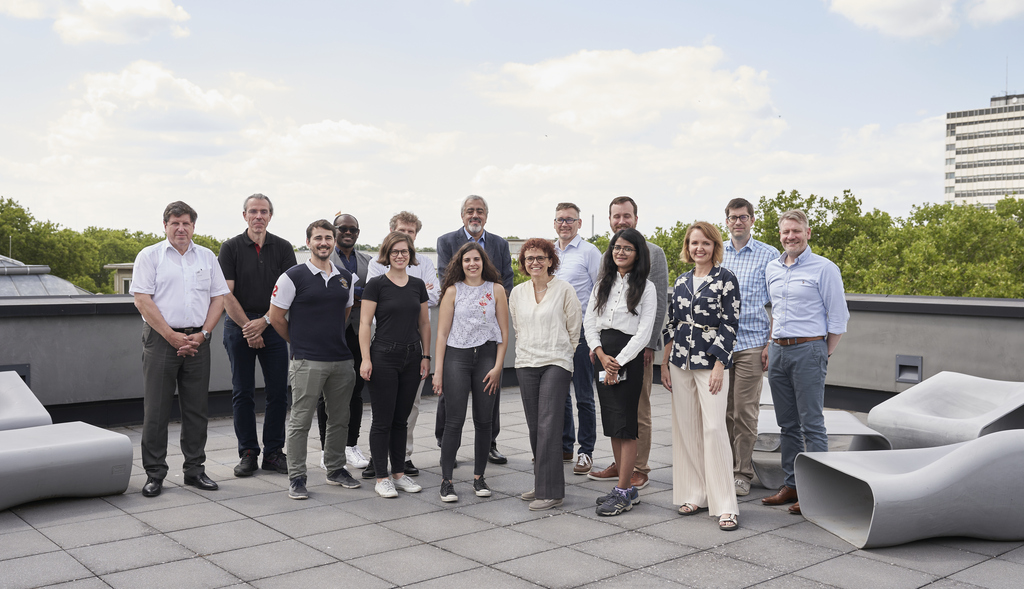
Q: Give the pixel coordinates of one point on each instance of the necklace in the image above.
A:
(540, 291)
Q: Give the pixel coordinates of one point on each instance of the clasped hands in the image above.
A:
(253, 332)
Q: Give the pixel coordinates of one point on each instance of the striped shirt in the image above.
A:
(748, 265)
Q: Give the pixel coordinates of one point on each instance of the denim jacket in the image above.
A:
(703, 325)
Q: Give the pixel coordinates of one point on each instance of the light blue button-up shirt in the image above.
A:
(808, 299)
(748, 264)
(579, 264)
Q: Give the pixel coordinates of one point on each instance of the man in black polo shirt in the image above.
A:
(251, 263)
(309, 308)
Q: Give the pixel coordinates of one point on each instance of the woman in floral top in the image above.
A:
(472, 335)
(703, 319)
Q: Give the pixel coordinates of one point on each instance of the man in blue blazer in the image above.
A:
(474, 217)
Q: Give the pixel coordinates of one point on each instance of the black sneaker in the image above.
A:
(297, 488)
(448, 492)
(619, 501)
(480, 487)
(248, 464)
(275, 461)
(343, 478)
(368, 472)
(410, 468)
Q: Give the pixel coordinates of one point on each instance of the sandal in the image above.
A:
(728, 522)
(690, 509)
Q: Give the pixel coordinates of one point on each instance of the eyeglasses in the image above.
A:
(535, 259)
(623, 248)
(399, 253)
(734, 218)
(347, 229)
(568, 221)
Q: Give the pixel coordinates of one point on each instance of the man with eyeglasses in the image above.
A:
(622, 214)
(252, 263)
(474, 217)
(345, 255)
(579, 263)
(747, 258)
(409, 224)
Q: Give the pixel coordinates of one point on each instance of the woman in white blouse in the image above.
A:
(472, 335)
(618, 324)
(547, 317)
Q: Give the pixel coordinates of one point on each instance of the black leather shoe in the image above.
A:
(201, 481)
(495, 457)
(368, 472)
(152, 487)
(410, 468)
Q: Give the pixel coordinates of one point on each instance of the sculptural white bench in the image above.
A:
(948, 408)
(63, 460)
(837, 423)
(890, 497)
(19, 406)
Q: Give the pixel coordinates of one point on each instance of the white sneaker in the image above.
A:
(354, 457)
(386, 488)
(322, 464)
(406, 484)
(742, 487)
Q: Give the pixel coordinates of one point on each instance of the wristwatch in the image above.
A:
(426, 357)
(267, 319)
(206, 334)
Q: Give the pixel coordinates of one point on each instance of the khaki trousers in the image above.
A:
(745, 380)
(643, 422)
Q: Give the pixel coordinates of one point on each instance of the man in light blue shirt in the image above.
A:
(747, 258)
(809, 316)
(579, 262)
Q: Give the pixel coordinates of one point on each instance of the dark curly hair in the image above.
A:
(544, 245)
(456, 273)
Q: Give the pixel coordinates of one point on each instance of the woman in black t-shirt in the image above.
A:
(394, 361)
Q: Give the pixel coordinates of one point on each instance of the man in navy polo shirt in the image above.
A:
(309, 309)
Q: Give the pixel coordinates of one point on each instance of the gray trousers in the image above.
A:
(544, 391)
(163, 372)
(309, 378)
(797, 376)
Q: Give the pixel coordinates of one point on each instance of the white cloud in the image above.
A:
(249, 82)
(104, 21)
(925, 18)
(615, 93)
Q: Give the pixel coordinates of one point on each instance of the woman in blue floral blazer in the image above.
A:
(703, 318)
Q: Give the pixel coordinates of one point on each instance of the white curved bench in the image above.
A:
(948, 408)
(19, 407)
(890, 497)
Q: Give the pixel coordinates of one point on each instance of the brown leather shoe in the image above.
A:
(795, 508)
(784, 496)
(567, 456)
(610, 473)
(638, 480)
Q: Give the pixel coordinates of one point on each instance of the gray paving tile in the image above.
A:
(430, 527)
(9, 522)
(25, 543)
(54, 512)
(765, 519)
(699, 531)
(993, 574)
(633, 549)
(562, 567)
(371, 539)
(566, 528)
(121, 527)
(268, 560)
(180, 518)
(171, 496)
(711, 571)
(634, 580)
(855, 572)
(951, 584)
(809, 533)
(91, 583)
(417, 563)
(778, 554)
(234, 487)
(315, 520)
(267, 504)
(194, 573)
(495, 545)
(337, 574)
(475, 579)
(987, 547)
(41, 569)
(926, 557)
(377, 509)
(130, 554)
(640, 516)
(792, 582)
(226, 536)
(502, 512)
(1016, 555)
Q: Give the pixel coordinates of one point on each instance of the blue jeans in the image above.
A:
(797, 376)
(583, 384)
(274, 362)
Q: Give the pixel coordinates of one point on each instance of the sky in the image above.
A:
(111, 109)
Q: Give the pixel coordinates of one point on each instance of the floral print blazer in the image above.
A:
(702, 325)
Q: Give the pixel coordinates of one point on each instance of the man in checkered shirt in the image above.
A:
(746, 257)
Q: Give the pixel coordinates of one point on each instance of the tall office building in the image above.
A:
(985, 152)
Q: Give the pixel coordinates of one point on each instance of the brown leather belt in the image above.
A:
(789, 341)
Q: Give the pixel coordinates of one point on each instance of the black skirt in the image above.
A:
(619, 402)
